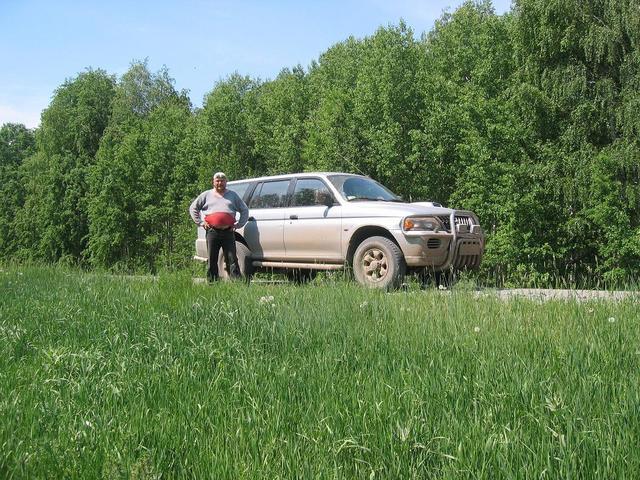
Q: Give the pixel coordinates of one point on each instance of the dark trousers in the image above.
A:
(226, 240)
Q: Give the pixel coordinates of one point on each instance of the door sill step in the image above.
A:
(310, 266)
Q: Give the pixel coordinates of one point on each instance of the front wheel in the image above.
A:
(244, 262)
(378, 263)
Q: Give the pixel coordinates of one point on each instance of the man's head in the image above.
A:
(220, 182)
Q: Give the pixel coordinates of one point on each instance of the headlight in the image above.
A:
(419, 224)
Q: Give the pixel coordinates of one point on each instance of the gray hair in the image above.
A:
(219, 175)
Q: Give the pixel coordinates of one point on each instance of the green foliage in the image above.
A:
(277, 124)
(223, 124)
(333, 142)
(67, 142)
(17, 143)
(135, 194)
(580, 59)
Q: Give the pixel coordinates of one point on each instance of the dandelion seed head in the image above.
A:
(403, 433)
(266, 299)
(476, 329)
(441, 287)
(611, 319)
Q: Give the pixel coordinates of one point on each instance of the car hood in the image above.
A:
(394, 208)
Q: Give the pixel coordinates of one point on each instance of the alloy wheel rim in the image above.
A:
(375, 265)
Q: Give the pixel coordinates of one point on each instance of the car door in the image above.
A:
(313, 223)
(264, 232)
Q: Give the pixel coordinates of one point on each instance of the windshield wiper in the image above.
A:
(371, 199)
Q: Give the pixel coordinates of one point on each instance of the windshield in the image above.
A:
(362, 188)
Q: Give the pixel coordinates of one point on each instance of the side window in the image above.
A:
(270, 195)
(240, 188)
(310, 192)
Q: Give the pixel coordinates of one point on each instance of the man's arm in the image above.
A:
(244, 212)
(196, 207)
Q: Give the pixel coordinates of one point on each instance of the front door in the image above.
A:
(313, 225)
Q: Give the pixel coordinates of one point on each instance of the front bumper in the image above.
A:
(461, 247)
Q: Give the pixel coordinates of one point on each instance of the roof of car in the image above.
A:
(289, 175)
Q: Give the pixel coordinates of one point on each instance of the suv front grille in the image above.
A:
(463, 220)
(459, 219)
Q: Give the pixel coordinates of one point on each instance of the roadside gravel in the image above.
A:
(544, 295)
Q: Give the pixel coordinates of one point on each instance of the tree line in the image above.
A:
(531, 119)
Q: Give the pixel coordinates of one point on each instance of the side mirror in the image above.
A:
(324, 198)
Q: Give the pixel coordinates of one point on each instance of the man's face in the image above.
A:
(220, 184)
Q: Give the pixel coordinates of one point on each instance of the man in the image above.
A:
(215, 210)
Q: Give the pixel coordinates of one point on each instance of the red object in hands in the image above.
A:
(220, 219)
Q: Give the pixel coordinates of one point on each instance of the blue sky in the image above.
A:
(45, 42)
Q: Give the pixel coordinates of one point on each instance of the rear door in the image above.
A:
(313, 229)
(264, 232)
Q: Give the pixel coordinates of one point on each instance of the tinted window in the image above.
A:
(270, 195)
(309, 192)
(239, 188)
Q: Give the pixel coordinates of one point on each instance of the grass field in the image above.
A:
(107, 377)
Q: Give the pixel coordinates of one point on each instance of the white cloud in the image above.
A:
(29, 115)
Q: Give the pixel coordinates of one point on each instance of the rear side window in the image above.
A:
(240, 188)
(270, 195)
(310, 192)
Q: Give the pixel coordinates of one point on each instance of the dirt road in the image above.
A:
(543, 295)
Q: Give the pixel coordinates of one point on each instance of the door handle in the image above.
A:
(293, 217)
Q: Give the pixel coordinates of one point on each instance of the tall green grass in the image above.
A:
(110, 377)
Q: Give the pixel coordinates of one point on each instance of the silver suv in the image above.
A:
(305, 222)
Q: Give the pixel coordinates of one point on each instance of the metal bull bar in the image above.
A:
(454, 258)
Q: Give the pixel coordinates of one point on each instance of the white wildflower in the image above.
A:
(88, 424)
(266, 299)
(442, 287)
(476, 329)
(364, 304)
(612, 319)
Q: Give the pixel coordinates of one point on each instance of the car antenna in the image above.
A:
(353, 165)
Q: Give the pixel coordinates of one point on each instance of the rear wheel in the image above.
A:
(244, 262)
(378, 263)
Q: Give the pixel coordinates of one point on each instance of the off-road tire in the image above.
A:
(379, 263)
